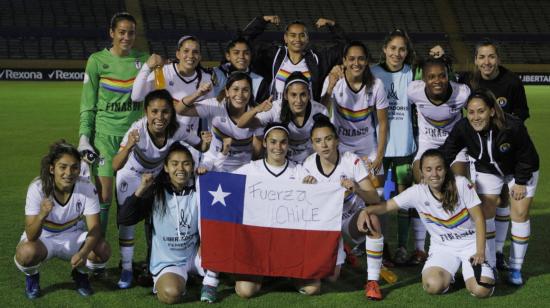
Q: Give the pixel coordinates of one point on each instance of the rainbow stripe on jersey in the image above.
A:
(56, 227)
(353, 115)
(218, 134)
(116, 85)
(282, 75)
(450, 223)
(441, 123)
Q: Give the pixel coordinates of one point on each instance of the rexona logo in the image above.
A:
(64, 75)
(41, 74)
(8, 74)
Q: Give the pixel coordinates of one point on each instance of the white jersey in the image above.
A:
(456, 228)
(299, 136)
(435, 122)
(145, 155)
(260, 168)
(287, 68)
(223, 126)
(349, 166)
(353, 113)
(64, 217)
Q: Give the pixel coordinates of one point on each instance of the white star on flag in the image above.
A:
(219, 196)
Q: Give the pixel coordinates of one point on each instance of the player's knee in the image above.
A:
(169, 294)
(434, 285)
(245, 289)
(26, 254)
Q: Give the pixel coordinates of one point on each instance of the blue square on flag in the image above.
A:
(222, 196)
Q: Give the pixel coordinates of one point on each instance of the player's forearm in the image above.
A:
(121, 157)
(246, 119)
(94, 234)
(369, 197)
(33, 229)
(141, 86)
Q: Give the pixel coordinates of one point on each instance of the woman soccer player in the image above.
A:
(327, 164)
(451, 211)
(296, 110)
(56, 202)
(168, 201)
(106, 109)
(504, 155)
(229, 140)
(142, 150)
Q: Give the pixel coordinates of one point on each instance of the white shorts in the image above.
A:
(450, 259)
(127, 182)
(63, 245)
(424, 145)
(491, 184)
(183, 271)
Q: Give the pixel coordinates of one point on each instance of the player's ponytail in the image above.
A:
(320, 121)
(57, 150)
(449, 190)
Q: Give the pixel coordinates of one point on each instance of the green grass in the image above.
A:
(36, 113)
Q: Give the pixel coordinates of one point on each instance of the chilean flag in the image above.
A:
(269, 227)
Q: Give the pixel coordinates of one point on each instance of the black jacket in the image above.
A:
(507, 152)
(267, 59)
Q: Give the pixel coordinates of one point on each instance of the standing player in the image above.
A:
(276, 63)
(510, 94)
(106, 109)
(56, 202)
(296, 111)
(142, 150)
(327, 164)
(504, 155)
(450, 210)
(396, 73)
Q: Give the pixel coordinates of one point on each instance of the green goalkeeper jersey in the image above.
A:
(105, 105)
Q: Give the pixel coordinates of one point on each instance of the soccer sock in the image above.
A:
(520, 239)
(27, 270)
(502, 220)
(375, 248)
(104, 217)
(126, 243)
(211, 279)
(419, 234)
(95, 267)
(403, 223)
(490, 242)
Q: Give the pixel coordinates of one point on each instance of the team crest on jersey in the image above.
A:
(171, 83)
(101, 160)
(505, 147)
(78, 205)
(357, 161)
(138, 64)
(105, 66)
(426, 203)
(392, 95)
(502, 101)
(123, 186)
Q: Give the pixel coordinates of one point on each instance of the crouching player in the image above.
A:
(450, 209)
(169, 202)
(56, 201)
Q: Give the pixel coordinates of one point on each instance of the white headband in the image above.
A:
(295, 81)
(276, 127)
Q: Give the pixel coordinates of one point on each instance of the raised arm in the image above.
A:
(122, 156)
(249, 119)
(143, 84)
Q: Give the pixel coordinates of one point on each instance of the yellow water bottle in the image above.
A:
(374, 180)
(160, 83)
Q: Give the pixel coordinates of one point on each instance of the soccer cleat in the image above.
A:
(400, 257)
(126, 278)
(82, 283)
(418, 257)
(209, 294)
(32, 286)
(501, 262)
(372, 290)
(514, 277)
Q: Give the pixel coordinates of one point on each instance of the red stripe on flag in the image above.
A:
(261, 251)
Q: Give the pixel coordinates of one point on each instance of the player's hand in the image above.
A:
(147, 180)
(227, 141)
(478, 258)
(265, 105)
(309, 180)
(201, 170)
(133, 138)
(78, 259)
(204, 88)
(84, 145)
(206, 138)
(321, 22)
(518, 192)
(348, 184)
(363, 221)
(335, 74)
(46, 206)
(437, 52)
(274, 19)
(154, 61)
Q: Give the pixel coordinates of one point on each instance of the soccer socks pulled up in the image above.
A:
(375, 248)
(104, 217)
(419, 234)
(403, 223)
(490, 242)
(211, 279)
(520, 239)
(126, 243)
(502, 221)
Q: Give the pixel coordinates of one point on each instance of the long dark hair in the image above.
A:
(410, 59)
(449, 190)
(368, 77)
(164, 95)
(162, 181)
(476, 74)
(56, 151)
(491, 102)
(286, 113)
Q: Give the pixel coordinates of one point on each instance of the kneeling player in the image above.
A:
(450, 209)
(55, 203)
